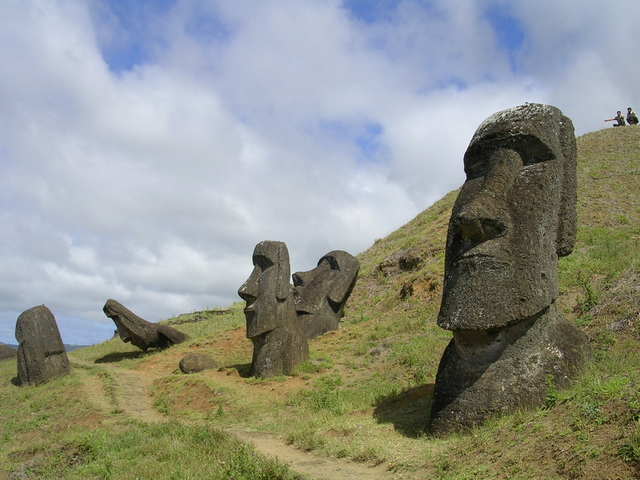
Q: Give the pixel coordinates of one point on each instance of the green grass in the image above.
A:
(139, 451)
(366, 392)
(52, 432)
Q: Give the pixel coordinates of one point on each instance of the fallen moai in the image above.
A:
(141, 333)
(320, 294)
(279, 343)
(514, 216)
(41, 355)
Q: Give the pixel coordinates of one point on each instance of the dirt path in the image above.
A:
(131, 393)
(125, 392)
(128, 394)
(313, 466)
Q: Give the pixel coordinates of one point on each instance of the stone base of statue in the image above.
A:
(279, 351)
(512, 370)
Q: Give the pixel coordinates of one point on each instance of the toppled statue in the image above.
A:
(279, 344)
(514, 216)
(41, 353)
(320, 294)
(142, 334)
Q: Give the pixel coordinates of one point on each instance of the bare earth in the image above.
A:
(313, 466)
(130, 396)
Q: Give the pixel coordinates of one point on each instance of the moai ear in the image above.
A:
(567, 216)
(342, 285)
(284, 272)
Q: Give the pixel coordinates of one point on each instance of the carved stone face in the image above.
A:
(267, 288)
(512, 219)
(320, 294)
(142, 334)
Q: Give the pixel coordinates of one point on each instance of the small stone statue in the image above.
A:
(321, 294)
(514, 216)
(279, 344)
(141, 333)
(41, 353)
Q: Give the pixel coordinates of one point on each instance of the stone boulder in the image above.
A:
(197, 362)
(141, 333)
(41, 355)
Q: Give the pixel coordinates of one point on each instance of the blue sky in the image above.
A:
(508, 32)
(146, 147)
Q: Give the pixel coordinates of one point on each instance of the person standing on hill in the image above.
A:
(632, 118)
(619, 118)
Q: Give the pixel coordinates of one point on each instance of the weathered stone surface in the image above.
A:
(321, 294)
(405, 260)
(197, 362)
(141, 333)
(41, 355)
(7, 352)
(468, 392)
(279, 344)
(514, 216)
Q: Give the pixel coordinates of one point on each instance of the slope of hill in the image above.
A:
(366, 392)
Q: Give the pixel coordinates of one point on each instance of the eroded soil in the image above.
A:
(127, 393)
(313, 466)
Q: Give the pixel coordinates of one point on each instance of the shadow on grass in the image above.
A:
(119, 356)
(408, 411)
(243, 369)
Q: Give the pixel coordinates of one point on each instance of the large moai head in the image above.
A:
(267, 291)
(321, 294)
(279, 344)
(514, 216)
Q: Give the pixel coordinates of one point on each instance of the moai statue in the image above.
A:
(141, 333)
(41, 353)
(320, 294)
(514, 216)
(279, 344)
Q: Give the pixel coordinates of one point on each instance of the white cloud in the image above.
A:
(142, 158)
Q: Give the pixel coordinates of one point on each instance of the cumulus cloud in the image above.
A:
(146, 147)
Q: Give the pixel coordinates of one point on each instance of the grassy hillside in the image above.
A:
(366, 392)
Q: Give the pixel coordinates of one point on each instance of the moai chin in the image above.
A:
(279, 344)
(514, 217)
(321, 294)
